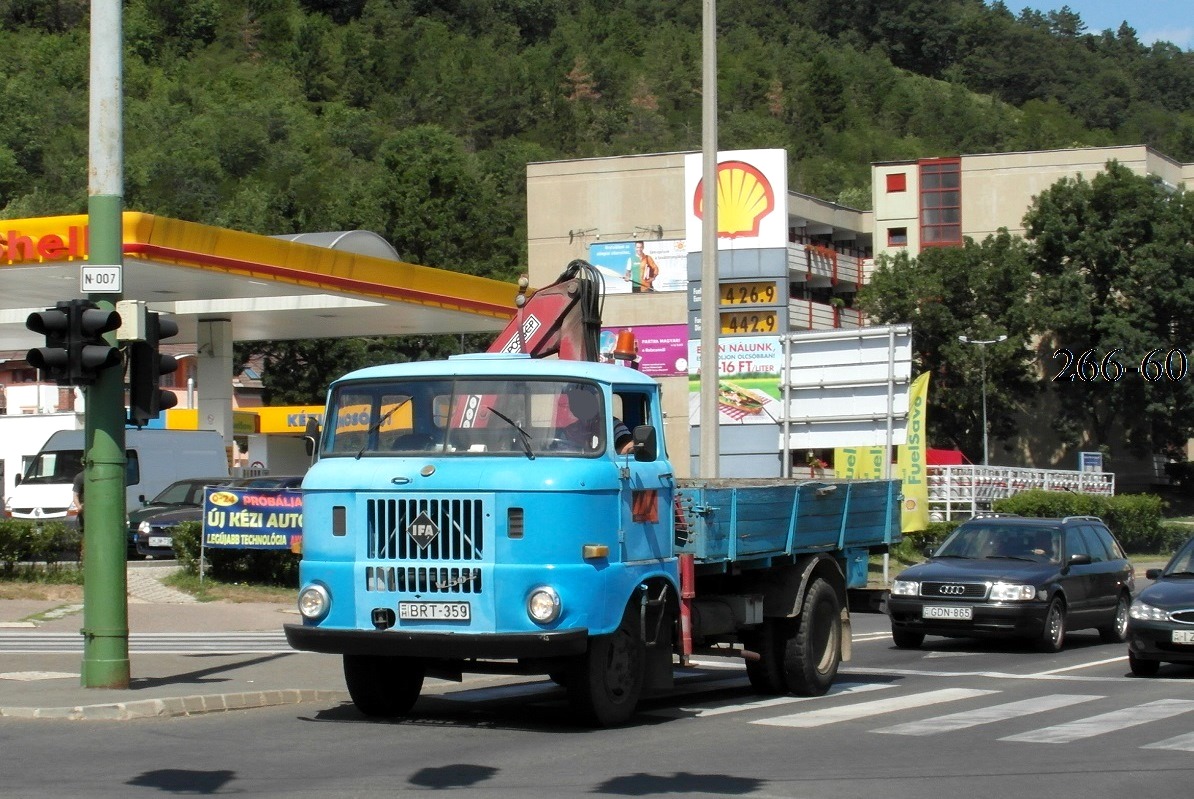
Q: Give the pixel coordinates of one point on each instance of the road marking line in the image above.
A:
(1183, 743)
(832, 715)
(1083, 665)
(720, 708)
(1106, 722)
(987, 715)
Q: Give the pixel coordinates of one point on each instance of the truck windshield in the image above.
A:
(479, 417)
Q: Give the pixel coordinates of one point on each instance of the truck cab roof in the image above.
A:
(500, 364)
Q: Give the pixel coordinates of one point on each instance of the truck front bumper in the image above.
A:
(404, 643)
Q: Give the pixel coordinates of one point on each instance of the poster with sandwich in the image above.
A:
(748, 380)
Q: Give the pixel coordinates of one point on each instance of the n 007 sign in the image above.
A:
(106, 279)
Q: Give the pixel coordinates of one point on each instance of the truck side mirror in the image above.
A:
(646, 443)
(311, 437)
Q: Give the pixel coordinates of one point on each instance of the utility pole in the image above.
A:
(105, 579)
(982, 352)
(710, 318)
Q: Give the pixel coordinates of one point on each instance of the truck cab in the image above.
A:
(479, 508)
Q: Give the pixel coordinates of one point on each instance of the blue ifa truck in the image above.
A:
(484, 514)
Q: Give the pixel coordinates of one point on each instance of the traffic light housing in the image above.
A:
(146, 367)
(76, 350)
(52, 360)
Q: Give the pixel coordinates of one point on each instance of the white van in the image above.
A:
(155, 459)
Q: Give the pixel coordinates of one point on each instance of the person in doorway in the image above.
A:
(78, 500)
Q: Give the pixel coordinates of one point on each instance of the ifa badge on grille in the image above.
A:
(422, 530)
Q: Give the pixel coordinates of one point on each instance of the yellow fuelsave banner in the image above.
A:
(859, 463)
(915, 511)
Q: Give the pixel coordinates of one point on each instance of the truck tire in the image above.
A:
(766, 674)
(606, 682)
(383, 687)
(813, 652)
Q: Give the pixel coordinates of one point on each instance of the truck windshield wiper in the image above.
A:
(373, 428)
(526, 437)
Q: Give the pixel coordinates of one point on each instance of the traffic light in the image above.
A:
(76, 350)
(53, 359)
(146, 367)
(89, 323)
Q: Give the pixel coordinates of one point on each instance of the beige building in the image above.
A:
(804, 278)
(939, 201)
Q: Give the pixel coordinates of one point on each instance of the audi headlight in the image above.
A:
(905, 588)
(314, 602)
(1010, 592)
(543, 605)
(1146, 612)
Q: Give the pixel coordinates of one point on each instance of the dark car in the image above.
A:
(1161, 620)
(1014, 576)
(270, 481)
(150, 526)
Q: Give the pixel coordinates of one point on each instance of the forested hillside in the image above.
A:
(416, 118)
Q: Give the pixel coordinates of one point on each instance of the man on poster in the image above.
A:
(641, 270)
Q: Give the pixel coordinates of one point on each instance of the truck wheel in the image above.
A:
(383, 687)
(813, 653)
(766, 674)
(606, 682)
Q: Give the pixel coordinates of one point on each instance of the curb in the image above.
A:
(177, 706)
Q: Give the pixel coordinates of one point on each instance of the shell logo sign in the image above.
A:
(744, 197)
(752, 196)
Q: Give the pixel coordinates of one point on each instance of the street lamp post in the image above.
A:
(982, 352)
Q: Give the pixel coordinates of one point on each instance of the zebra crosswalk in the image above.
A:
(847, 702)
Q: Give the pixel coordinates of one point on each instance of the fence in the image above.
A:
(959, 492)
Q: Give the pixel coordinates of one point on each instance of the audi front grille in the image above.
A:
(954, 590)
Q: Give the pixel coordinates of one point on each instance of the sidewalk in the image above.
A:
(41, 658)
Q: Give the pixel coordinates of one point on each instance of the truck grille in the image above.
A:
(422, 580)
(954, 590)
(425, 529)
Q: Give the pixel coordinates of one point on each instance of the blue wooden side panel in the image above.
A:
(738, 519)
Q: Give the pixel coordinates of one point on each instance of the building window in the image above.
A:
(941, 202)
(897, 237)
(897, 181)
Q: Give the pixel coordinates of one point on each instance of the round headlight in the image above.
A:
(314, 602)
(543, 605)
(145, 528)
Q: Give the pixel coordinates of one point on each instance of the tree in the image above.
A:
(1115, 276)
(977, 291)
(299, 372)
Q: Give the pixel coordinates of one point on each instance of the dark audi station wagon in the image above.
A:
(1014, 576)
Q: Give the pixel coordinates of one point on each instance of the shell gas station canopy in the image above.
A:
(266, 287)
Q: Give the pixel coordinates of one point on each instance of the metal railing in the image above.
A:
(960, 492)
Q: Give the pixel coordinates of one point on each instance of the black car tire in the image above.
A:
(1052, 637)
(1141, 667)
(1117, 631)
(383, 687)
(907, 639)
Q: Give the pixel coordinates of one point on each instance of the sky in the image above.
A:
(1153, 20)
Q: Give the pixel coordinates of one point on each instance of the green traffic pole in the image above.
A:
(105, 578)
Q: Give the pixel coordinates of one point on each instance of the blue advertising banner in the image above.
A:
(256, 518)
